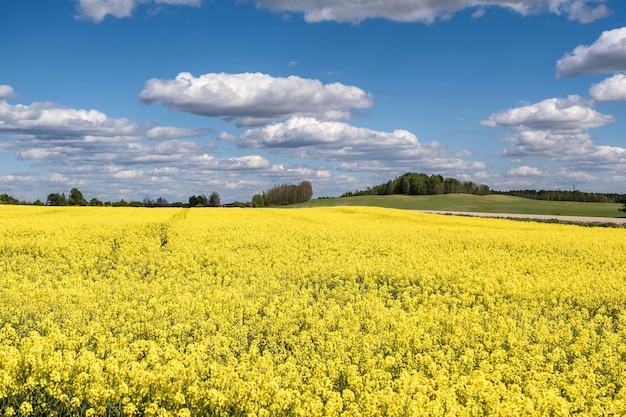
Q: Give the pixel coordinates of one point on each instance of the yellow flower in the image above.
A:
(26, 408)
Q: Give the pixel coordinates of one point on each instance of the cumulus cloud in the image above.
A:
(525, 171)
(52, 120)
(6, 92)
(117, 158)
(169, 132)
(97, 10)
(551, 114)
(248, 162)
(567, 147)
(606, 54)
(554, 130)
(611, 89)
(127, 174)
(309, 138)
(255, 98)
(430, 10)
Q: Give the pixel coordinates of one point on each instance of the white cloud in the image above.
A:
(164, 171)
(235, 185)
(51, 120)
(300, 132)
(554, 130)
(128, 174)
(551, 114)
(607, 54)
(430, 10)
(168, 132)
(547, 178)
(255, 98)
(6, 92)
(480, 12)
(309, 138)
(248, 162)
(56, 177)
(97, 10)
(35, 153)
(525, 171)
(295, 171)
(566, 147)
(116, 157)
(611, 89)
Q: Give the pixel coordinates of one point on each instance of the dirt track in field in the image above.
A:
(568, 219)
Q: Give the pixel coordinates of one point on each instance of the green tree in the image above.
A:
(289, 194)
(7, 199)
(258, 200)
(95, 202)
(214, 199)
(76, 198)
(56, 199)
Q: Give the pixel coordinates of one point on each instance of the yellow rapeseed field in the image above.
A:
(309, 312)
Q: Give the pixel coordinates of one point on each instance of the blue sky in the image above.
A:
(169, 98)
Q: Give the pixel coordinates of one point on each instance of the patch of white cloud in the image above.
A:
(428, 11)
(51, 120)
(128, 174)
(248, 162)
(7, 92)
(309, 138)
(571, 113)
(169, 132)
(97, 10)
(610, 89)
(164, 171)
(254, 99)
(478, 13)
(555, 130)
(525, 171)
(550, 178)
(35, 153)
(606, 54)
(115, 157)
(56, 177)
(566, 147)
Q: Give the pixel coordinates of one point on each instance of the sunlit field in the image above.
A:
(307, 312)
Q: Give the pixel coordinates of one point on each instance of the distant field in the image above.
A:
(468, 202)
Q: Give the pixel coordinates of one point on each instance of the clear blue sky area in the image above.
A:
(169, 98)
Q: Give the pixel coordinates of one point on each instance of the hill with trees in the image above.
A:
(422, 184)
(413, 183)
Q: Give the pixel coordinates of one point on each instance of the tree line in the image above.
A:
(559, 195)
(275, 196)
(413, 183)
(285, 194)
(76, 198)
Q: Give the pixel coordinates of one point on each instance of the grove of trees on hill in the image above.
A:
(412, 183)
(422, 184)
(285, 194)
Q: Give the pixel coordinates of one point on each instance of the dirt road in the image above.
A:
(572, 219)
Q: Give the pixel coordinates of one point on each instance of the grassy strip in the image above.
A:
(475, 203)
